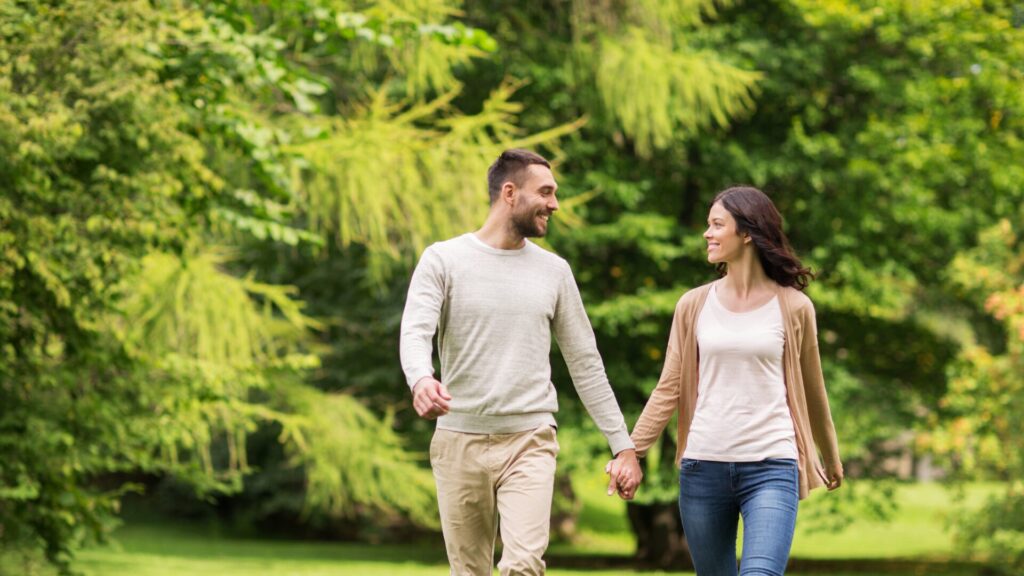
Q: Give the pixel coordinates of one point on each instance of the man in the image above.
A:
(495, 299)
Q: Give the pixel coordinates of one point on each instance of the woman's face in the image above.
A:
(724, 243)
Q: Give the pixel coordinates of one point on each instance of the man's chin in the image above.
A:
(532, 231)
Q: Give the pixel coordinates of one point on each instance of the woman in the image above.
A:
(743, 372)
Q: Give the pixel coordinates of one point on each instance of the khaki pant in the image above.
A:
(481, 477)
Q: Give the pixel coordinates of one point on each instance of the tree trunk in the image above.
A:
(565, 509)
(659, 535)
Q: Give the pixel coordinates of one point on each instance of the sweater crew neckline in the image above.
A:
(484, 247)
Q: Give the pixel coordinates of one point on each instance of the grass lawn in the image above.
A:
(154, 550)
(919, 529)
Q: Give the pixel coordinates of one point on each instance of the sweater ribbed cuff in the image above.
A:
(415, 379)
(620, 441)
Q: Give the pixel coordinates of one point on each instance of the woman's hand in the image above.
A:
(624, 474)
(833, 475)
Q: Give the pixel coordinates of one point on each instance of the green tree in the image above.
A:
(140, 142)
(96, 170)
(977, 429)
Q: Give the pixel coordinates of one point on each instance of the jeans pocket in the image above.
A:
(689, 465)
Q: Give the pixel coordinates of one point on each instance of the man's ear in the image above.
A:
(508, 192)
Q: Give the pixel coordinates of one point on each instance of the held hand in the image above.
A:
(612, 470)
(624, 474)
(430, 398)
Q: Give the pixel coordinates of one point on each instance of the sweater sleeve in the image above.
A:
(575, 338)
(419, 320)
(664, 399)
(814, 388)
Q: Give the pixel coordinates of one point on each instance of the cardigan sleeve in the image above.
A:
(814, 388)
(664, 399)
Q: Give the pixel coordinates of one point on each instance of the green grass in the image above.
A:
(920, 528)
(153, 551)
(166, 551)
(917, 531)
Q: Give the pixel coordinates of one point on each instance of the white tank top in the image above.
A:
(742, 414)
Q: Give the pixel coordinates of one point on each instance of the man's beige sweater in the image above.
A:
(494, 312)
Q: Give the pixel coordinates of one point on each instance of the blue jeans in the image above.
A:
(712, 496)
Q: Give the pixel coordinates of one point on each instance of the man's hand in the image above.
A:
(430, 398)
(624, 474)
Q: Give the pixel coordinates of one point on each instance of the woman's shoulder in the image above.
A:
(797, 299)
(693, 296)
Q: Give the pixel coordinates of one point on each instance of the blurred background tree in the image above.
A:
(147, 148)
(978, 431)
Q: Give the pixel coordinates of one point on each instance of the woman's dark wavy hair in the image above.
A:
(755, 214)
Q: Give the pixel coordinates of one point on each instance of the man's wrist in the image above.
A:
(420, 381)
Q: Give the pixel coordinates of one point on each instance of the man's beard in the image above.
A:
(526, 225)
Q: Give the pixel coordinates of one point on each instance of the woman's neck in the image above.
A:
(746, 277)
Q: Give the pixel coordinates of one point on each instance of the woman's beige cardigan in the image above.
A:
(805, 385)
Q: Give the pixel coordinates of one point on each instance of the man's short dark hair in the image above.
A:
(511, 165)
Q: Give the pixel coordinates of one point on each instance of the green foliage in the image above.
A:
(189, 306)
(353, 461)
(133, 135)
(985, 388)
(980, 433)
(997, 530)
(388, 180)
(212, 345)
(685, 89)
(94, 169)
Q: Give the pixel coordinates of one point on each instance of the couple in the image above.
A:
(742, 371)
